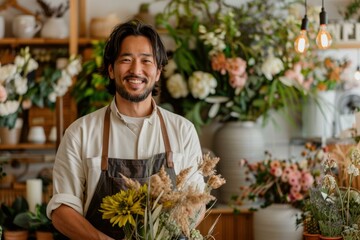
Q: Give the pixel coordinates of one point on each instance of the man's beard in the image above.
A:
(133, 98)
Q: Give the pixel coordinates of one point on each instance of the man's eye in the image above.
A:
(125, 60)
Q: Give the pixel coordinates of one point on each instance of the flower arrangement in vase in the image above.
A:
(14, 87)
(159, 210)
(229, 62)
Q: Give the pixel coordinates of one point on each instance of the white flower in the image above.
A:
(355, 156)
(6, 72)
(353, 170)
(176, 86)
(32, 65)
(9, 107)
(170, 68)
(202, 84)
(21, 86)
(271, 67)
(329, 182)
(74, 67)
(52, 97)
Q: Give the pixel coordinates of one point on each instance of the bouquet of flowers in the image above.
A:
(158, 210)
(281, 181)
(54, 81)
(230, 61)
(14, 85)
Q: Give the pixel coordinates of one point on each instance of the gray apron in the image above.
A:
(111, 182)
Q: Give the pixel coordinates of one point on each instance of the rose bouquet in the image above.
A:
(14, 86)
(158, 210)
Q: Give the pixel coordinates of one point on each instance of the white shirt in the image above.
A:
(77, 166)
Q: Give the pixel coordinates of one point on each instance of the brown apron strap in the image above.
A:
(105, 145)
(169, 154)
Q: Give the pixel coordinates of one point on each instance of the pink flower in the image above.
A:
(297, 197)
(26, 104)
(307, 180)
(295, 189)
(236, 66)
(275, 164)
(218, 63)
(276, 171)
(293, 179)
(3, 94)
(237, 81)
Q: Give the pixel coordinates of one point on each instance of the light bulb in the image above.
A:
(301, 43)
(323, 38)
(357, 74)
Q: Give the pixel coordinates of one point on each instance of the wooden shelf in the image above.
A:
(28, 146)
(42, 41)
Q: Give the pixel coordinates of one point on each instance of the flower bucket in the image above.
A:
(235, 141)
(278, 221)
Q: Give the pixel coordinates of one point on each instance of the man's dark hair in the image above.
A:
(132, 28)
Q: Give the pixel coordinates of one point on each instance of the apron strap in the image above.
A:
(168, 152)
(105, 145)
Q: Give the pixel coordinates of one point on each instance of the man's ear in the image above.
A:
(111, 71)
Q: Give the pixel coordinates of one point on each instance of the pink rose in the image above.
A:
(3, 94)
(236, 81)
(236, 66)
(26, 104)
(276, 171)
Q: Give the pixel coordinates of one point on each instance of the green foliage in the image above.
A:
(352, 10)
(8, 213)
(89, 91)
(35, 221)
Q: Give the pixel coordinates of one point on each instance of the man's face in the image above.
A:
(135, 71)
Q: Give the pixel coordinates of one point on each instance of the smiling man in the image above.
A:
(120, 138)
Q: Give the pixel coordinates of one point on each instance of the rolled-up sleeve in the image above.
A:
(68, 175)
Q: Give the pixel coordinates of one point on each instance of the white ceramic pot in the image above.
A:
(37, 134)
(318, 116)
(278, 221)
(25, 26)
(55, 28)
(232, 142)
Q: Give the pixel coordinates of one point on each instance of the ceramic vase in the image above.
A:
(232, 142)
(318, 116)
(278, 221)
(309, 236)
(55, 28)
(11, 136)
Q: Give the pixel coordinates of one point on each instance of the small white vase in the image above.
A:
(37, 134)
(55, 28)
(277, 221)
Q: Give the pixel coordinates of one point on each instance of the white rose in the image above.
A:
(32, 65)
(271, 67)
(74, 67)
(52, 97)
(176, 86)
(202, 84)
(9, 107)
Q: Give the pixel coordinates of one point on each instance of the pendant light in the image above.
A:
(323, 38)
(301, 43)
(357, 72)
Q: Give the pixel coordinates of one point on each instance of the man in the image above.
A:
(120, 138)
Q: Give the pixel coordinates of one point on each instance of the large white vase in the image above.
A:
(278, 221)
(233, 142)
(318, 115)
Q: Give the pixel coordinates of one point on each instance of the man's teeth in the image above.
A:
(135, 81)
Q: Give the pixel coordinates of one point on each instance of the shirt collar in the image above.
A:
(151, 118)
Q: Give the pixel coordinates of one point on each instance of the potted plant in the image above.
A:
(38, 222)
(7, 216)
(335, 204)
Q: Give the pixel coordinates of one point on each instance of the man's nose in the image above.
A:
(135, 67)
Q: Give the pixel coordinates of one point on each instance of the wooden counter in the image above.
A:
(230, 226)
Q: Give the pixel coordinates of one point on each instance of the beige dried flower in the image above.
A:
(207, 167)
(182, 177)
(216, 181)
(160, 182)
(131, 184)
